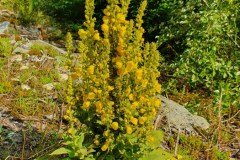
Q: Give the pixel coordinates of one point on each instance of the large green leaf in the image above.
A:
(60, 151)
(158, 154)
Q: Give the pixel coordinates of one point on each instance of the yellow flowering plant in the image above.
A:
(115, 97)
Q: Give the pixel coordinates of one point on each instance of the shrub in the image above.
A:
(210, 59)
(114, 86)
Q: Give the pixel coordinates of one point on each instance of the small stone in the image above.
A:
(50, 117)
(63, 77)
(25, 87)
(49, 86)
(16, 58)
(15, 79)
(24, 67)
(12, 42)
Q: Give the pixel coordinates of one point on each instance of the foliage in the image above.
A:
(196, 148)
(63, 9)
(210, 58)
(115, 99)
(5, 47)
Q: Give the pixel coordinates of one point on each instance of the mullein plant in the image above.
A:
(115, 100)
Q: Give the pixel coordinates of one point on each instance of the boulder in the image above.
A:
(49, 45)
(176, 117)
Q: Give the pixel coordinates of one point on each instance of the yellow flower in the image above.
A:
(151, 139)
(99, 91)
(157, 102)
(131, 97)
(106, 133)
(120, 41)
(90, 69)
(179, 156)
(121, 71)
(142, 120)
(142, 110)
(122, 30)
(82, 34)
(96, 36)
(105, 19)
(130, 65)
(75, 120)
(98, 105)
(91, 95)
(154, 111)
(134, 120)
(106, 12)
(120, 17)
(95, 90)
(126, 22)
(78, 71)
(104, 147)
(144, 83)
(113, 20)
(128, 90)
(120, 50)
(158, 87)
(106, 42)
(85, 98)
(129, 130)
(114, 28)
(110, 88)
(134, 105)
(70, 131)
(115, 125)
(139, 73)
(105, 28)
(96, 142)
(119, 65)
(110, 103)
(86, 104)
(142, 99)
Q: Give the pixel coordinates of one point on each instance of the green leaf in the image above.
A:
(80, 140)
(158, 154)
(158, 135)
(60, 151)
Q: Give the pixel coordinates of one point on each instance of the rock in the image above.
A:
(25, 87)
(16, 58)
(7, 14)
(54, 32)
(49, 86)
(4, 27)
(49, 45)
(15, 79)
(24, 67)
(178, 117)
(63, 77)
(20, 50)
(12, 42)
(49, 117)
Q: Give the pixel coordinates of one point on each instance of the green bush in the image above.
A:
(210, 56)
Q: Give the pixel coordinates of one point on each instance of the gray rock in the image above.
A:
(4, 27)
(16, 58)
(178, 117)
(49, 45)
(20, 50)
